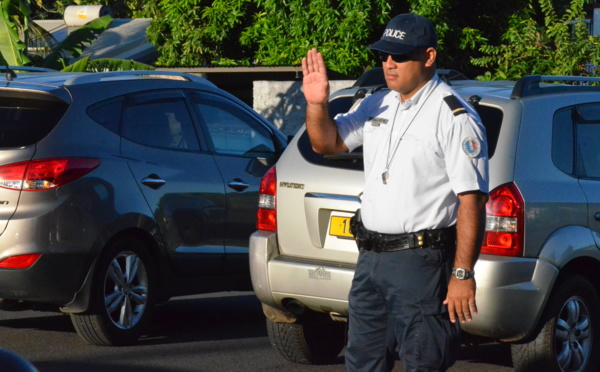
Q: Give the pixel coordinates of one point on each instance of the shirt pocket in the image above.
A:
(417, 156)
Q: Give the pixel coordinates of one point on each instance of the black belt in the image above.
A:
(433, 239)
(378, 242)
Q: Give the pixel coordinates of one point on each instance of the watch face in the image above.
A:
(461, 273)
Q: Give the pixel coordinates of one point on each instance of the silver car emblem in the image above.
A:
(319, 273)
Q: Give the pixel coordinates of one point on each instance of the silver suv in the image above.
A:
(539, 272)
(119, 190)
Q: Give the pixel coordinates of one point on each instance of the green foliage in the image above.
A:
(197, 32)
(282, 32)
(498, 39)
(264, 32)
(13, 13)
(107, 64)
(556, 45)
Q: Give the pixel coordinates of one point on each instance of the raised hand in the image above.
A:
(315, 82)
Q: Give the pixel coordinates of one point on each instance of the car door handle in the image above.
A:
(597, 216)
(153, 181)
(238, 185)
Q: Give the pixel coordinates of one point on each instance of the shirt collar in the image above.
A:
(424, 91)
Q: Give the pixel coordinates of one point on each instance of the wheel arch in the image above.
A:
(541, 351)
(139, 226)
(570, 250)
(567, 244)
(585, 266)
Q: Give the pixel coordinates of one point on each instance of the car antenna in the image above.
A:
(10, 74)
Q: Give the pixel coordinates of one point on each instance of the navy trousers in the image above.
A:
(396, 300)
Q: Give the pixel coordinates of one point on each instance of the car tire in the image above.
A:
(313, 339)
(569, 339)
(120, 303)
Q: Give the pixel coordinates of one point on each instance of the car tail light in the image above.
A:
(23, 261)
(266, 218)
(44, 174)
(504, 222)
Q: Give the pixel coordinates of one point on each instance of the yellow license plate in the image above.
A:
(340, 226)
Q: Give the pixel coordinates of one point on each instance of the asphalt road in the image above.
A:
(222, 332)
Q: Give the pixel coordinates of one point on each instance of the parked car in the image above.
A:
(538, 273)
(119, 190)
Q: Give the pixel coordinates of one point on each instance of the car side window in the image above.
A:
(107, 113)
(576, 140)
(563, 142)
(159, 119)
(587, 121)
(231, 129)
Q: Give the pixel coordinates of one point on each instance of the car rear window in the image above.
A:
(490, 116)
(27, 118)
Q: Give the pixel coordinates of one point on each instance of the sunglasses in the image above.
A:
(398, 58)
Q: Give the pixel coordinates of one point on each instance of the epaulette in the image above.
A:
(455, 106)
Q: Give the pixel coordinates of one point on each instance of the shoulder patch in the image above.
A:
(455, 105)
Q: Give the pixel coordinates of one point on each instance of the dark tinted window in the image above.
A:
(231, 129)
(159, 119)
(576, 140)
(587, 120)
(26, 119)
(353, 160)
(490, 116)
(562, 141)
(108, 114)
(340, 105)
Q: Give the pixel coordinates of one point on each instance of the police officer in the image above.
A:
(423, 205)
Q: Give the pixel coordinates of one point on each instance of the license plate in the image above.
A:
(340, 226)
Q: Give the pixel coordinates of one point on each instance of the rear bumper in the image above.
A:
(53, 279)
(319, 285)
(511, 292)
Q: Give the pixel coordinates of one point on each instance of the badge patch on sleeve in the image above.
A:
(471, 146)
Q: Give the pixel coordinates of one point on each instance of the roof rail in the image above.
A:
(97, 77)
(530, 85)
(26, 69)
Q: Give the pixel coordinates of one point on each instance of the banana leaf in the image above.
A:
(76, 42)
(11, 46)
(106, 64)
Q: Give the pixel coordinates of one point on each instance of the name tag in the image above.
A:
(378, 121)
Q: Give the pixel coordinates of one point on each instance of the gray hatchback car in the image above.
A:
(119, 190)
(538, 275)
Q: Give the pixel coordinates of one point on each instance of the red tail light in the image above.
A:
(44, 174)
(504, 222)
(266, 218)
(23, 261)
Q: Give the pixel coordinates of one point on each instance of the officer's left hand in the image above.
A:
(461, 299)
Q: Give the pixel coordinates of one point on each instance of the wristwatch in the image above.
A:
(463, 274)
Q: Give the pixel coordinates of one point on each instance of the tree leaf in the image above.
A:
(11, 46)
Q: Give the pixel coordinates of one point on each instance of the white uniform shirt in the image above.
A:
(432, 156)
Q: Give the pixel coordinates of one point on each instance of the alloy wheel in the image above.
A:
(126, 290)
(573, 335)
